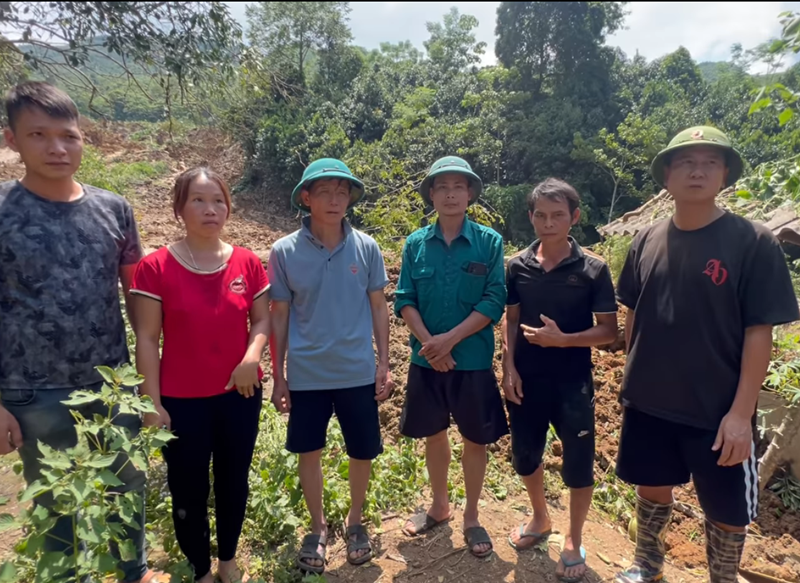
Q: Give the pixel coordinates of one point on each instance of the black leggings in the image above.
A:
(226, 427)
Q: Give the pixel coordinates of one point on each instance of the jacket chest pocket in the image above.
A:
(471, 287)
(423, 279)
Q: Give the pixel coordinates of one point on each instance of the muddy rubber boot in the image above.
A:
(651, 530)
(724, 552)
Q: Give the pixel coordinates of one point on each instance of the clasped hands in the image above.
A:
(437, 352)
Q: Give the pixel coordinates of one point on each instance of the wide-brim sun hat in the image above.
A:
(699, 136)
(447, 165)
(327, 168)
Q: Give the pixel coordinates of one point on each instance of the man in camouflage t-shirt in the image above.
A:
(64, 248)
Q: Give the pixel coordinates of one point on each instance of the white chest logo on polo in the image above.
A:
(354, 268)
(238, 285)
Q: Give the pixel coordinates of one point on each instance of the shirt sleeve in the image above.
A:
(604, 301)
(768, 297)
(628, 284)
(493, 303)
(377, 269)
(260, 279)
(406, 293)
(131, 245)
(279, 285)
(512, 298)
(147, 278)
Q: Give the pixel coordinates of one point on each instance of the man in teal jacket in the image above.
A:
(451, 292)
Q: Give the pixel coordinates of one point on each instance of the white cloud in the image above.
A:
(706, 29)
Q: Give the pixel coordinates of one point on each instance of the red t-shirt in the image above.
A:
(205, 318)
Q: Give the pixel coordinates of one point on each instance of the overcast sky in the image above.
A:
(707, 29)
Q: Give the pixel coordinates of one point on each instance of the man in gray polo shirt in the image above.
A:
(327, 300)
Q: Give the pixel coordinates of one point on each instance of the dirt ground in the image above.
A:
(773, 546)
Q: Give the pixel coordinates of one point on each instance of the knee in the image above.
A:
(472, 447)
(440, 439)
(311, 458)
(657, 495)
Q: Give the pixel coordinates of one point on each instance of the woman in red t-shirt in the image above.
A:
(206, 385)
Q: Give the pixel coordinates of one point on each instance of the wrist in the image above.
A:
(383, 362)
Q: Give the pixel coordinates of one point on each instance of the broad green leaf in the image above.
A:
(127, 550)
(78, 398)
(103, 461)
(105, 563)
(108, 478)
(7, 522)
(107, 374)
(759, 105)
(86, 533)
(32, 491)
(139, 460)
(786, 115)
(8, 572)
(4, 500)
(52, 565)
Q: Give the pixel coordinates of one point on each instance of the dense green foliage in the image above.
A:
(560, 102)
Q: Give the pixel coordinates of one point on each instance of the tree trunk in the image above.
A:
(783, 438)
(613, 200)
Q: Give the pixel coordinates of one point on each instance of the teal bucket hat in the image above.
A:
(327, 168)
(699, 136)
(450, 164)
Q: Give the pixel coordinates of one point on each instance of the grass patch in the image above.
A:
(120, 177)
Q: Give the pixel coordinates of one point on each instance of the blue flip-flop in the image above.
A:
(568, 564)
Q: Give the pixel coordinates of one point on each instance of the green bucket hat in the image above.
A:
(699, 136)
(446, 165)
(327, 168)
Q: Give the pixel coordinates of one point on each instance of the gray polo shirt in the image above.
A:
(330, 319)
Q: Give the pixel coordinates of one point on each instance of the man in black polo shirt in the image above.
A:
(703, 290)
(553, 291)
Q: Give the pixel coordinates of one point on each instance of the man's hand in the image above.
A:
(437, 348)
(10, 433)
(245, 378)
(280, 396)
(547, 336)
(383, 382)
(444, 364)
(512, 385)
(735, 438)
(158, 419)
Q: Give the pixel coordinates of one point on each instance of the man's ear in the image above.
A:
(576, 216)
(11, 140)
(305, 196)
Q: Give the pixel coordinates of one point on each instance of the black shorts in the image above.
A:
(471, 396)
(357, 412)
(569, 406)
(655, 452)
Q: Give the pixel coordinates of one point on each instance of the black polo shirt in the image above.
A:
(569, 294)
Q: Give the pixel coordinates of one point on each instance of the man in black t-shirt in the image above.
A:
(553, 291)
(703, 290)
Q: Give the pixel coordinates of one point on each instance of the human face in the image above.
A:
(552, 220)
(696, 174)
(51, 148)
(450, 194)
(328, 200)
(205, 211)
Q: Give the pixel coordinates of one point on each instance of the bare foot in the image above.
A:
(228, 572)
(320, 549)
(537, 525)
(469, 522)
(437, 513)
(207, 578)
(156, 577)
(572, 555)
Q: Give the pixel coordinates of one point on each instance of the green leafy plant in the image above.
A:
(787, 487)
(80, 481)
(120, 177)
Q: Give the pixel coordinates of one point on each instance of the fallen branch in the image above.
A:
(433, 562)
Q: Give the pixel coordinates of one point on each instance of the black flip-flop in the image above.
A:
(422, 523)
(477, 535)
(309, 551)
(361, 543)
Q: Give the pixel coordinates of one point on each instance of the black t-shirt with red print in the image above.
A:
(694, 293)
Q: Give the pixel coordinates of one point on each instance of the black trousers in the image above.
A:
(223, 427)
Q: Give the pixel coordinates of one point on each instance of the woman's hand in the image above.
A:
(245, 378)
(158, 419)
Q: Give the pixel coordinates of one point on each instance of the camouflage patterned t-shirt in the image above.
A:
(60, 312)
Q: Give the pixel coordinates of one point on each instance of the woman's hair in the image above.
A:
(180, 190)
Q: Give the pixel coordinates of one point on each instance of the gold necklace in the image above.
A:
(191, 255)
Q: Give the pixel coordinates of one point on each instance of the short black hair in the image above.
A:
(555, 190)
(50, 99)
